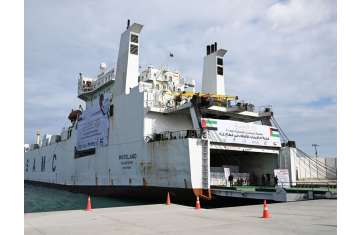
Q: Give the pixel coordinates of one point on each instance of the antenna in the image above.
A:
(37, 137)
(128, 24)
(316, 157)
(315, 147)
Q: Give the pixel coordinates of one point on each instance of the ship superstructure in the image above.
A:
(143, 133)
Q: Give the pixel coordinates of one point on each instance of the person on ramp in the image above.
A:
(231, 180)
(276, 180)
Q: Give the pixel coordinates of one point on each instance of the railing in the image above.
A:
(329, 185)
(314, 184)
(105, 78)
(171, 135)
(87, 88)
(95, 84)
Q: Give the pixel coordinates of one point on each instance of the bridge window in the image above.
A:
(134, 49)
(134, 38)
(220, 70)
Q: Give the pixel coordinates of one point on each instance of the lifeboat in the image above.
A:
(74, 115)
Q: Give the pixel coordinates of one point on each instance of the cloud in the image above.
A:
(300, 14)
(281, 53)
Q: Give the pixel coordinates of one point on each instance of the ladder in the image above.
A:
(205, 164)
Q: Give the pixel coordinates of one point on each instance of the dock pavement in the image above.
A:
(301, 217)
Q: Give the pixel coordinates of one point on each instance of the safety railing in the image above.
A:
(325, 186)
(95, 84)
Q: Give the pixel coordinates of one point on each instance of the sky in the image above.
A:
(280, 53)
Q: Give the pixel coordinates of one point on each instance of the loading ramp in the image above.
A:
(277, 194)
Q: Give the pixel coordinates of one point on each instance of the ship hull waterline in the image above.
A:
(144, 193)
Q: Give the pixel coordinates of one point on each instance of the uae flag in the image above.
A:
(209, 124)
(274, 132)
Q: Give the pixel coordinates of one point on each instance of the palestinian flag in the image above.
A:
(209, 124)
(274, 133)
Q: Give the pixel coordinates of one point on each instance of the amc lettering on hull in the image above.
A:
(227, 131)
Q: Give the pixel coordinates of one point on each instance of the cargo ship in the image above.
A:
(145, 132)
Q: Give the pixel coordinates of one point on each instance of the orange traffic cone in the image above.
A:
(197, 205)
(88, 205)
(266, 213)
(168, 199)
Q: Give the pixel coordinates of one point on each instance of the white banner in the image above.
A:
(227, 131)
(282, 177)
(93, 125)
(227, 173)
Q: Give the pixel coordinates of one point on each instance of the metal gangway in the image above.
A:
(314, 164)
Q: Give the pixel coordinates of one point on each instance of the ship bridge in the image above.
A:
(88, 86)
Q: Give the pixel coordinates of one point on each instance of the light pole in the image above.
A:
(316, 157)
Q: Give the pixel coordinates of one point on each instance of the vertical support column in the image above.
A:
(205, 161)
(292, 153)
(288, 161)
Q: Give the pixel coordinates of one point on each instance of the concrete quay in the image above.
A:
(301, 217)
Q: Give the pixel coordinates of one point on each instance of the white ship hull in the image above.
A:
(171, 165)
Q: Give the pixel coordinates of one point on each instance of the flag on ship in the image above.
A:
(274, 133)
(209, 124)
